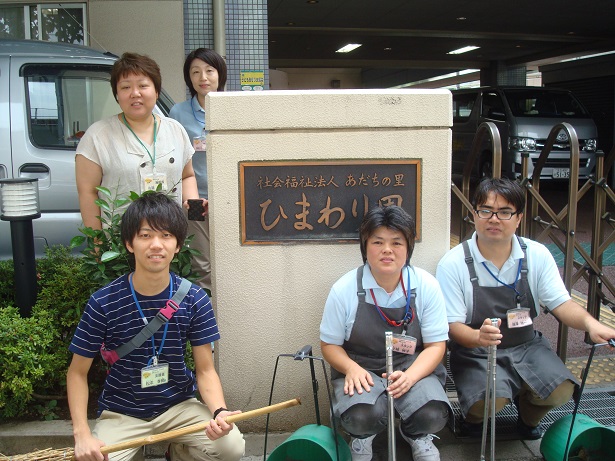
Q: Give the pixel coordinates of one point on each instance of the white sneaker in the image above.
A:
(423, 448)
(361, 449)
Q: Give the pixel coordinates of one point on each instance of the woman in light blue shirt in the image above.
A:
(204, 71)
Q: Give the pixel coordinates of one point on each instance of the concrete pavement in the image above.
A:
(28, 437)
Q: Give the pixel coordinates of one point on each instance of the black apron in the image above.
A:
(524, 354)
(366, 346)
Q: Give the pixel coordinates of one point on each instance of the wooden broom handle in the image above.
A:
(196, 427)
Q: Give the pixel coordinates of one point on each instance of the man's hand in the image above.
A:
(600, 333)
(489, 335)
(357, 378)
(87, 448)
(218, 427)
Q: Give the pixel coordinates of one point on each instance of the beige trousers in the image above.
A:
(201, 264)
(114, 428)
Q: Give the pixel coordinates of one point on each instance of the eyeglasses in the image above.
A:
(502, 215)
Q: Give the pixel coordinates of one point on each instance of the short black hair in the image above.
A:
(210, 57)
(135, 64)
(506, 188)
(160, 212)
(392, 217)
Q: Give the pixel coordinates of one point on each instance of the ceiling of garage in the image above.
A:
(405, 40)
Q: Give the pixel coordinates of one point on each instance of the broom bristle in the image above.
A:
(49, 454)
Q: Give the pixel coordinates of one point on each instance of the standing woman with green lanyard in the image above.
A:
(204, 71)
(134, 150)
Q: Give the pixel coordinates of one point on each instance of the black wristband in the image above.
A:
(218, 411)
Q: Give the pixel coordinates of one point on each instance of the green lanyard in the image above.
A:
(153, 159)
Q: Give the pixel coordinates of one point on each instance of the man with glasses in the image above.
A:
(496, 274)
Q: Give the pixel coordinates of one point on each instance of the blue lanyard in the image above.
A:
(194, 99)
(409, 314)
(511, 286)
(166, 326)
(153, 159)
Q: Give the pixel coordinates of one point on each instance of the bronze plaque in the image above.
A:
(319, 201)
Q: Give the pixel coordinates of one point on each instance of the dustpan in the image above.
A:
(312, 442)
(579, 437)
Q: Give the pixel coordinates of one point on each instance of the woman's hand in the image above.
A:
(357, 378)
(400, 383)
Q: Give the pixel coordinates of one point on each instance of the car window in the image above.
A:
(463, 104)
(541, 102)
(63, 102)
(492, 106)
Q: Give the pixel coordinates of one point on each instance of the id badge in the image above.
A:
(154, 375)
(519, 317)
(198, 142)
(404, 344)
(152, 180)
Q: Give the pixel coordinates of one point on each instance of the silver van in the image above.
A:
(50, 93)
(524, 116)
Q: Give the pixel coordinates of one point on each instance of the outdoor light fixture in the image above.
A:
(348, 48)
(465, 49)
(20, 205)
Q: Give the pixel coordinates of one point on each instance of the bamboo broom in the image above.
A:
(51, 454)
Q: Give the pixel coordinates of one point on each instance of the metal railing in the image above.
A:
(559, 227)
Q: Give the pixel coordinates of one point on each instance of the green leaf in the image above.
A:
(104, 191)
(102, 204)
(76, 241)
(109, 256)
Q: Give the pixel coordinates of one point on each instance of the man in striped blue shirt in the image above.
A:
(150, 390)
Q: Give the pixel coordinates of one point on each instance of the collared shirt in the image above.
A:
(545, 282)
(192, 117)
(112, 146)
(341, 306)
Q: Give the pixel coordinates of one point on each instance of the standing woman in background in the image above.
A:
(134, 150)
(204, 71)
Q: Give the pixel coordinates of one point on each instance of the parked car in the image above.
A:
(524, 116)
(50, 93)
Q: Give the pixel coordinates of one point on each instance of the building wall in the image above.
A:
(314, 79)
(269, 298)
(147, 27)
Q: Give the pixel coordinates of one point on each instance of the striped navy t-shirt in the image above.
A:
(111, 316)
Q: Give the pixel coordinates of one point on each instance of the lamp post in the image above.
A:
(20, 205)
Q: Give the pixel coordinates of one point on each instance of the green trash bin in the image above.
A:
(313, 442)
(589, 440)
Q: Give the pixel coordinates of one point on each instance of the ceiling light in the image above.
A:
(348, 48)
(465, 49)
(388, 48)
(461, 18)
(312, 2)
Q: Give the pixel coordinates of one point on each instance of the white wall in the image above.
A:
(145, 27)
(315, 79)
(269, 298)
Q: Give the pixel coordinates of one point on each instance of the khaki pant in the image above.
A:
(201, 264)
(533, 408)
(114, 428)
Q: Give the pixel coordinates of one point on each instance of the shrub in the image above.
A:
(105, 257)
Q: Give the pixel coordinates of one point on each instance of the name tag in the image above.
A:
(519, 317)
(404, 344)
(154, 375)
(151, 181)
(198, 143)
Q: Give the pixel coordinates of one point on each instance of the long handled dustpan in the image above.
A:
(585, 440)
(313, 442)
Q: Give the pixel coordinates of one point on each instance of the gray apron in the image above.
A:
(366, 346)
(524, 354)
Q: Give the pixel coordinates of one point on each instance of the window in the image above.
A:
(462, 106)
(50, 22)
(64, 101)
